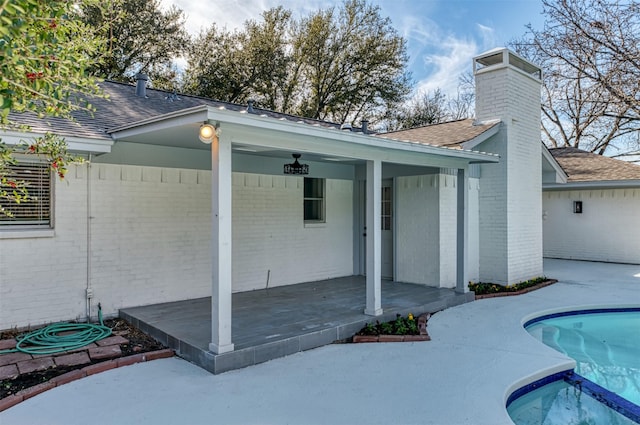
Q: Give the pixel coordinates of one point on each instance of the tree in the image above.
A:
(338, 65)
(141, 37)
(44, 54)
(254, 63)
(424, 109)
(353, 63)
(427, 108)
(590, 54)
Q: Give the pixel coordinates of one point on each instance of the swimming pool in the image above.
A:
(605, 385)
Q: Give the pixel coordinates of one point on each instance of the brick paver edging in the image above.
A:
(422, 326)
(390, 338)
(520, 292)
(27, 393)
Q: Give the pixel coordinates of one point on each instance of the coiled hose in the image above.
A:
(61, 337)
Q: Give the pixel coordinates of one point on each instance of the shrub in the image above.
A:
(482, 288)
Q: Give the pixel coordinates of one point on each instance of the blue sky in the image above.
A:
(442, 35)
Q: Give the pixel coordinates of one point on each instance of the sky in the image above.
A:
(442, 35)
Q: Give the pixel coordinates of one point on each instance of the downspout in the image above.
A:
(89, 290)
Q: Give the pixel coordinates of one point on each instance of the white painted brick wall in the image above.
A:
(426, 229)
(510, 196)
(270, 238)
(418, 230)
(151, 242)
(43, 279)
(448, 230)
(607, 230)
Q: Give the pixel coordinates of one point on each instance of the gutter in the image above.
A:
(598, 184)
(75, 144)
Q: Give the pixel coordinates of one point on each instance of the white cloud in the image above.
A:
(233, 13)
(445, 65)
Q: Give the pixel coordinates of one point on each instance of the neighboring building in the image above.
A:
(591, 207)
(157, 215)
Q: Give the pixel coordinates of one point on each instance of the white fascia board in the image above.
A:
(598, 184)
(470, 144)
(259, 124)
(74, 144)
(546, 154)
(197, 114)
(345, 137)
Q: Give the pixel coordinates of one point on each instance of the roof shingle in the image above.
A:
(450, 134)
(122, 107)
(580, 166)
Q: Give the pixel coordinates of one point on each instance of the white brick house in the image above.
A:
(591, 207)
(157, 215)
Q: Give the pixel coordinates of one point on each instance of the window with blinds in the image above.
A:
(36, 210)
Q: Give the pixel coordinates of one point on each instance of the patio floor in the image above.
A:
(280, 321)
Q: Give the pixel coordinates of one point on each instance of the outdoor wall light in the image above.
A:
(577, 207)
(207, 133)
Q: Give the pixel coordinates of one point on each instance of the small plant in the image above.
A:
(482, 288)
(400, 326)
(386, 328)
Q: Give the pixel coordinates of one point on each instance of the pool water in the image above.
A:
(606, 347)
(560, 403)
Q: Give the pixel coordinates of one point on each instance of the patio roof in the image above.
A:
(269, 133)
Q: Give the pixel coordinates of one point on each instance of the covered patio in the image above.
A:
(260, 233)
(276, 322)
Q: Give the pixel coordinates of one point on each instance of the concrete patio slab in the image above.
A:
(280, 321)
(479, 354)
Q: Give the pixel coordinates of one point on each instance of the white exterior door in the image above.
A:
(386, 221)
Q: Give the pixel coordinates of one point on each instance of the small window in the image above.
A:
(314, 196)
(36, 210)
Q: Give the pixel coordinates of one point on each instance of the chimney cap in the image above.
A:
(502, 57)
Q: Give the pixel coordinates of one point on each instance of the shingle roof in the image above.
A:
(586, 166)
(124, 107)
(449, 134)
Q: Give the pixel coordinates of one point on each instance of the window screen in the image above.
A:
(36, 210)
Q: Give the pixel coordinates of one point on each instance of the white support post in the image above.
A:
(374, 238)
(221, 245)
(462, 234)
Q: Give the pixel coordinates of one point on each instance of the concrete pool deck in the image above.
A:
(478, 355)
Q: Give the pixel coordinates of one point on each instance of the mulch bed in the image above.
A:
(520, 292)
(138, 343)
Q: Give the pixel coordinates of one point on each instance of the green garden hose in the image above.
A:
(61, 337)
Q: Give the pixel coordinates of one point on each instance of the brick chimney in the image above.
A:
(508, 89)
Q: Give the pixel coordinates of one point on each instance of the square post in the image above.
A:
(462, 233)
(374, 238)
(221, 245)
